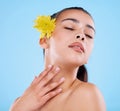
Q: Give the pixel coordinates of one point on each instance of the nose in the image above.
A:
(80, 36)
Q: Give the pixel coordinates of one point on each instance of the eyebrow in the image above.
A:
(77, 21)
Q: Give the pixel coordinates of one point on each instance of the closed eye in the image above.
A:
(89, 36)
(68, 28)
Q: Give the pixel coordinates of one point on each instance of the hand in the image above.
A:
(39, 92)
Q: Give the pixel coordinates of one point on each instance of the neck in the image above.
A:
(69, 73)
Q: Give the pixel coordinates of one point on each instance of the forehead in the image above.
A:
(80, 15)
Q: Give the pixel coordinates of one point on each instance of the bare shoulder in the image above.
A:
(89, 97)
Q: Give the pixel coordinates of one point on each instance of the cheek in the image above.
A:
(89, 49)
(56, 45)
(60, 38)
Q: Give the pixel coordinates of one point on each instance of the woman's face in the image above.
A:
(73, 38)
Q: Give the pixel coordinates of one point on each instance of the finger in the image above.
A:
(49, 77)
(50, 95)
(51, 86)
(42, 74)
(46, 71)
(34, 81)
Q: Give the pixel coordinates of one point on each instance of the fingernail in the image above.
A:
(49, 66)
(57, 69)
(62, 79)
(60, 89)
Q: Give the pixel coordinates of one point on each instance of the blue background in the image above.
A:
(21, 57)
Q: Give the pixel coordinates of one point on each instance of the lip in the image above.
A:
(77, 46)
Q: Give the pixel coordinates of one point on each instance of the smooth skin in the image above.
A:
(39, 92)
(50, 91)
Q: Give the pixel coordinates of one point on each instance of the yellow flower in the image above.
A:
(45, 25)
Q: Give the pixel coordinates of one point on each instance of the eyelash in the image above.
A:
(71, 29)
(68, 28)
(89, 36)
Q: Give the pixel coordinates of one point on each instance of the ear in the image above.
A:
(43, 43)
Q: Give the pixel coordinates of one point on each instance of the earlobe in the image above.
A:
(43, 43)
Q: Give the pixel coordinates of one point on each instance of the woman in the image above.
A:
(63, 85)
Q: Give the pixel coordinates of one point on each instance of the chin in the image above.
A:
(78, 64)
